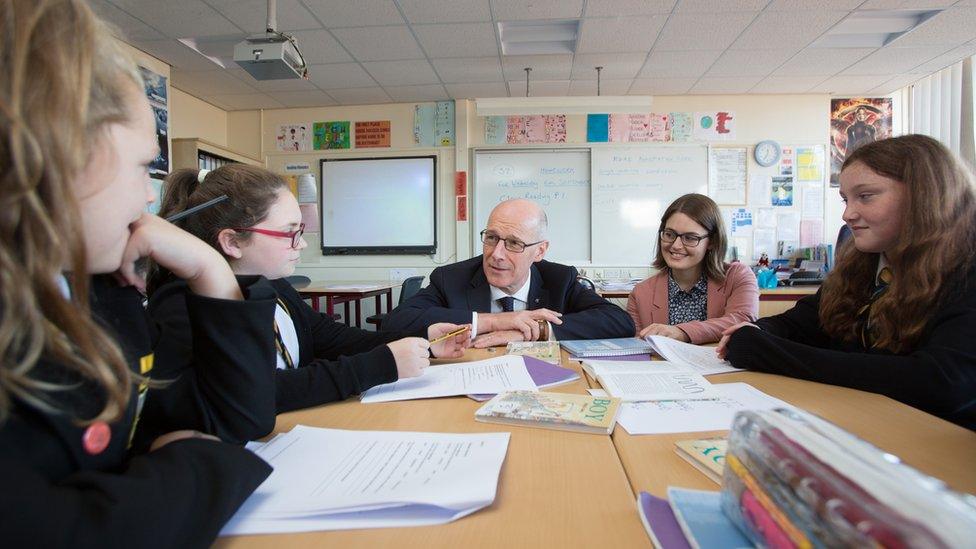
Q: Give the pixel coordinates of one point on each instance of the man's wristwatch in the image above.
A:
(543, 330)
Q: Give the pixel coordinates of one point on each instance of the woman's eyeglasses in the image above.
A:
(295, 236)
(688, 239)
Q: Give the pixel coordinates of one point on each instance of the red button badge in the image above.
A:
(96, 438)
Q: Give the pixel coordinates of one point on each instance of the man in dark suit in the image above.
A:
(510, 293)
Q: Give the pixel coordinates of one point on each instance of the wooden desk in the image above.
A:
(778, 300)
(556, 489)
(349, 292)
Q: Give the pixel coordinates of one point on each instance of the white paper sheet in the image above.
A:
(688, 416)
(600, 367)
(702, 360)
(760, 190)
(327, 479)
(494, 375)
(650, 386)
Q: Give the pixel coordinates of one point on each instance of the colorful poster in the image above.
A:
(714, 126)
(786, 161)
(809, 164)
(294, 137)
(597, 128)
(741, 224)
(536, 129)
(659, 129)
(854, 122)
(423, 124)
(681, 124)
(444, 123)
(155, 88)
(462, 208)
(782, 191)
(639, 128)
(496, 130)
(372, 134)
(460, 183)
(330, 135)
(433, 124)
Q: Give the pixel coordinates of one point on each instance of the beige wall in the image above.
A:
(192, 117)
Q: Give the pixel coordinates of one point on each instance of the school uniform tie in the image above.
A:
(867, 335)
(507, 303)
(280, 343)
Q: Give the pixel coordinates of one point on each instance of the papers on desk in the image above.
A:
(494, 375)
(330, 479)
(645, 381)
(702, 360)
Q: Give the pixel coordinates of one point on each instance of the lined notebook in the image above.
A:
(607, 347)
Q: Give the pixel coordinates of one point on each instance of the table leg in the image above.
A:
(379, 304)
(345, 308)
(358, 315)
(329, 306)
(389, 300)
(315, 302)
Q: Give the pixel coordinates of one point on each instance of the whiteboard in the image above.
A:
(556, 179)
(632, 186)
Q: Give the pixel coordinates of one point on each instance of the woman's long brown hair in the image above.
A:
(64, 79)
(933, 254)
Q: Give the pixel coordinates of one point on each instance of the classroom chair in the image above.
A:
(409, 287)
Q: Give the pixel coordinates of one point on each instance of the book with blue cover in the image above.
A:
(700, 515)
(621, 346)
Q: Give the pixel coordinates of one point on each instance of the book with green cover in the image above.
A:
(543, 350)
(566, 412)
(706, 454)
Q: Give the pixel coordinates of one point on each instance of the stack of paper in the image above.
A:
(702, 360)
(330, 479)
(494, 375)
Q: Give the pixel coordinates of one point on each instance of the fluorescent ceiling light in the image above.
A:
(218, 49)
(873, 29)
(502, 106)
(538, 37)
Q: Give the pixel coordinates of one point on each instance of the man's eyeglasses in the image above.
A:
(295, 236)
(491, 240)
(688, 239)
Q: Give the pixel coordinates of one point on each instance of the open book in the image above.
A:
(701, 360)
(649, 381)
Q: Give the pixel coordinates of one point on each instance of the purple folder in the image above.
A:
(543, 374)
(659, 521)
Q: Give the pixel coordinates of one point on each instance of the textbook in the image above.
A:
(658, 519)
(650, 381)
(566, 412)
(705, 454)
(700, 515)
(543, 350)
(607, 347)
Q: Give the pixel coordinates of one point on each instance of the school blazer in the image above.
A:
(335, 360)
(730, 302)
(458, 289)
(56, 494)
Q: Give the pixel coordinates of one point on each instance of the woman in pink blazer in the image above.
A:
(695, 295)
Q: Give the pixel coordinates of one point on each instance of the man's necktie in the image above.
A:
(507, 303)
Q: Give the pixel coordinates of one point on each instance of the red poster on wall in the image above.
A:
(462, 208)
(373, 134)
(460, 183)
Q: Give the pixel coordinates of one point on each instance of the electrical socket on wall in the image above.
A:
(399, 275)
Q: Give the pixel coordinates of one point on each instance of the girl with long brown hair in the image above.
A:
(76, 138)
(898, 313)
(696, 294)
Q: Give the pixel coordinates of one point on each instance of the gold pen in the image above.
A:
(450, 335)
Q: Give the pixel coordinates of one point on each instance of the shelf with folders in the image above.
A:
(201, 154)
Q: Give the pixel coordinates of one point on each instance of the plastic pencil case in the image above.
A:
(792, 479)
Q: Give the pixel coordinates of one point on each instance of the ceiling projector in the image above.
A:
(271, 56)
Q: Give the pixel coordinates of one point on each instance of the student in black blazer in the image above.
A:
(76, 137)
(259, 231)
(897, 314)
(545, 296)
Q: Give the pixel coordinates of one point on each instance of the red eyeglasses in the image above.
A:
(295, 236)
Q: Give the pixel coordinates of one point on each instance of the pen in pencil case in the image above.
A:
(197, 208)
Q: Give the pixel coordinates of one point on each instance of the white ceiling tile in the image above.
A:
(906, 4)
(843, 85)
(213, 82)
(786, 29)
(340, 75)
(687, 31)
(380, 43)
(615, 65)
(712, 6)
(673, 64)
(544, 67)
(786, 84)
(544, 88)
(131, 28)
(252, 15)
(891, 61)
(292, 84)
(445, 11)
(318, 46)
(402, 73)
(607, 87)
(180, 18)
(360, 96)
(811, 5)
(748, 62)
(358, 13)
(471, 91)
(245, 101)
(177, 55)
(822, 61)
(406, 94)
(617, 8)
(513, 10)
(661, 86)
(739, 84)
(896, 84)
(468, 70)
(457, 39)
(313, 98)
(951, 27)
(629, 34)
(948, 58)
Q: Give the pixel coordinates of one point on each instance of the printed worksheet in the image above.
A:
(494, 375)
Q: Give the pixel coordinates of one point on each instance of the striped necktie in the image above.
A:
(507, 303)
(280, 343)
(864, 313)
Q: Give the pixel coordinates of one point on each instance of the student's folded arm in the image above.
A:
(322, 381)
(178, 496)
(424, 308)
(592, 317)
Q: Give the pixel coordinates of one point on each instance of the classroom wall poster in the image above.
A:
(854, 122)
(294, 137)
(786, 161)
(330, 135)
(782, 191)
(714, 126)
(496, 130)
(462, 208)
(460, 183)
(550, 128)
(433, 124)
(681, 124)
(597, 128)
(155, 88)
(727, 175)
(372, 134)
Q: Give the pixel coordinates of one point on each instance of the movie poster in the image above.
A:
(854, 122)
